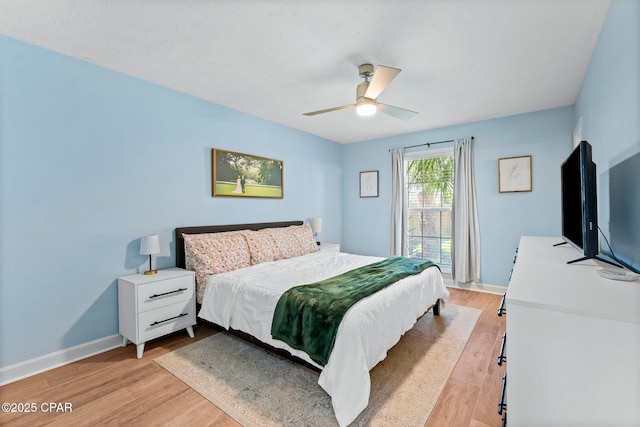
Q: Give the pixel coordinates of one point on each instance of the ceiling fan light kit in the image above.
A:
(368, 91)
(366, 108)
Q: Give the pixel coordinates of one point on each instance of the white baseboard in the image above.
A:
(478, 287)
(40, 364)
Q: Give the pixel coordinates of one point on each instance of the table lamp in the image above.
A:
(150, 245)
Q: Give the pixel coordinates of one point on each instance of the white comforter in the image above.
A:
(245, 300)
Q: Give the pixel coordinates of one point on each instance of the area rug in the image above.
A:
(258, 388)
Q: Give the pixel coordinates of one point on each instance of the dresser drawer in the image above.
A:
(165, 292)
(167, 319)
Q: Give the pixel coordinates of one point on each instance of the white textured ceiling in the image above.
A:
(461, 61)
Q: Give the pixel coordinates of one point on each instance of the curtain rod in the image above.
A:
(429, 144)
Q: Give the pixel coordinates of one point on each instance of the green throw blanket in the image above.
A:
(307, 317)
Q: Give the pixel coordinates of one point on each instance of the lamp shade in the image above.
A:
(316, 224)
(150, 245)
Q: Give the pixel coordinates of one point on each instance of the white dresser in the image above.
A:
(573, 341)
(151, 306)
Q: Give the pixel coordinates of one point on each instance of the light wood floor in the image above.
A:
(115, 388)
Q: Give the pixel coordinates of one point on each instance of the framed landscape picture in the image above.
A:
(244, 175)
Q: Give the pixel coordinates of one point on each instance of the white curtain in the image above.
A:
(398, 238)
(466, 233)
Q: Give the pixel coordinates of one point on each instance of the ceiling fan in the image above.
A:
(369, 90)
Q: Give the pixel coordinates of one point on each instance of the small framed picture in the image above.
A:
(369, 184)
(514, 174)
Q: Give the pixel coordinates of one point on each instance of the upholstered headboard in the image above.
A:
(180, 258)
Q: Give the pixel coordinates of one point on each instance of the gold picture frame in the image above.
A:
(245, 175)
(514, 174)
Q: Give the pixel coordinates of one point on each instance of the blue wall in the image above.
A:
(609, 105)
(90, 160)
(504, 217)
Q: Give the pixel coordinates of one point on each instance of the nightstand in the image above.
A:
(334, 247)
(150, 306)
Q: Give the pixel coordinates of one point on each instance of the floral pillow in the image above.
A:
(293, 241)
(305, 237)
(262, 246)
(286, 241)
(213, 253)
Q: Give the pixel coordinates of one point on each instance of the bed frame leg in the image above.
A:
(436, 308)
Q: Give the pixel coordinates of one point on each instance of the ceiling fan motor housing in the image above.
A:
(366, 71)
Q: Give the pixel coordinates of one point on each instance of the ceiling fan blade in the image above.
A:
(328, 110)
(381, 78)
(397, 112)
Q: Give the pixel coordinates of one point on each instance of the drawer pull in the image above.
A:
(503, 348)
(503, 395)
(167, 293)
(157, 322)
(502, 309)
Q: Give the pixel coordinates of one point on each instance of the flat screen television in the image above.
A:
(579, 203)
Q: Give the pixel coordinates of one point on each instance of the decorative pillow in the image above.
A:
(262, 247)
(286, 241)
(213, 253)
(216, 252)
(304, 234)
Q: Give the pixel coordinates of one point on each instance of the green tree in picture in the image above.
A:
(224, 172)
(231, 165)
(270, 173)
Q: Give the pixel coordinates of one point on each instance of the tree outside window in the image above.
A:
(430, 196)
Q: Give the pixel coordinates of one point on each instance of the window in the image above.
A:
(429, 179)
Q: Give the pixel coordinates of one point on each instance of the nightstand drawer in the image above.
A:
(164, 320)
(165, 292)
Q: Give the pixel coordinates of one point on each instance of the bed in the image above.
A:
(242, 272)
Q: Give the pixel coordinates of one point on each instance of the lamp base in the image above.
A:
(148, 272)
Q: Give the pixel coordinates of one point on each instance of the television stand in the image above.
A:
(584, 258)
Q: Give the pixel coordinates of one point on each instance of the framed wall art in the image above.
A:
(514, 174)
(245, 175)
(369, 184)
